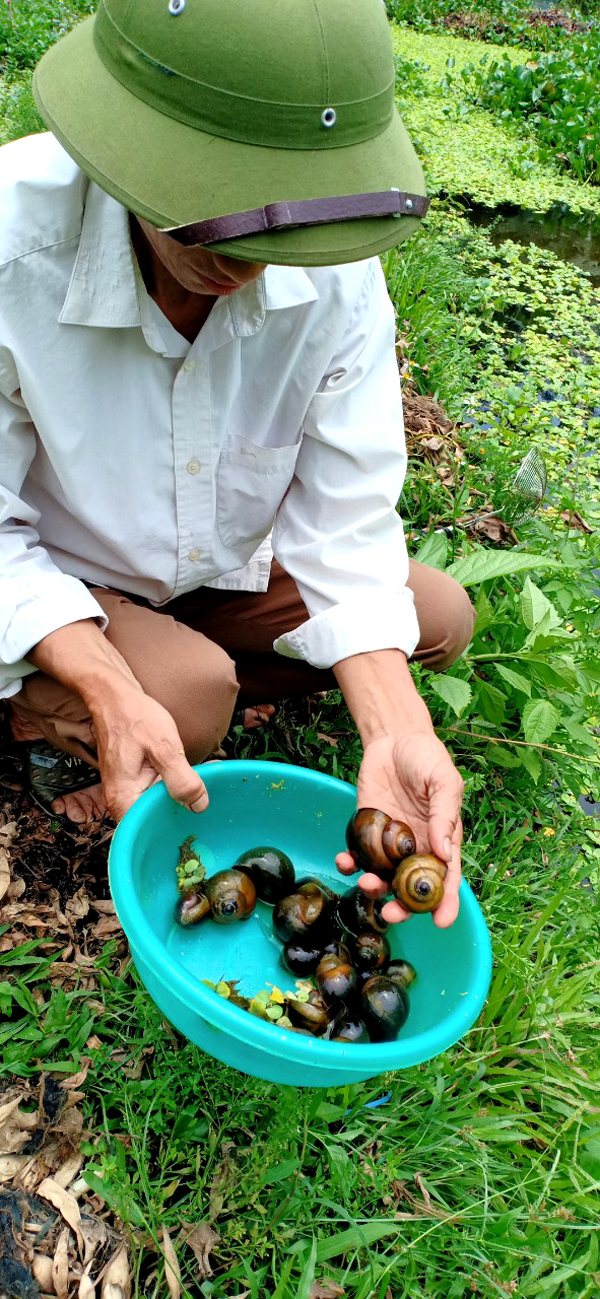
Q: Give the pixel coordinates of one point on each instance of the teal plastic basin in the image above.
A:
(305, 814)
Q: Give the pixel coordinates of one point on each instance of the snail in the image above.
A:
(419, 882)
(358, 913)
(192, 907)
(377, 842)
(384, 1006)
(299, 959)
(299, 914)
(232, 896)
(347, 1027)
(311, 1015)
(370, 951)
(336, 977)
(271, 872)
(310, 882)
(401, 972)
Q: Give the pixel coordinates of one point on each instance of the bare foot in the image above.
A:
(257, 716)
(82, 806)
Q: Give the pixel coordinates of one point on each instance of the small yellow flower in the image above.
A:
(549, 832)
(277, 995)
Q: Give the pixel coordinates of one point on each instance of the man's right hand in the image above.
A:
(138, 743)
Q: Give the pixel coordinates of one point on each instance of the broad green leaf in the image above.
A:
(502, 756)
(453, 691)
(484, 611)
(434, 550)
(532, 763)
(482, 565)
(355, 1238)
(514, 679)
(540, 720)
(535, 606)
(491, 701)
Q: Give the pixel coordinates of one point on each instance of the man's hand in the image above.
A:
(405, 771)
(414, 779)
(138, 742)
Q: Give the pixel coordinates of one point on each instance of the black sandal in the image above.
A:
(52, 773)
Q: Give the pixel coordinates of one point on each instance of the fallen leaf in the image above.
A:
(42, 1270)
(103, 905)
(16, 889)
(4, 873)
(325, 1290)
(574, 520)
(7, 833)
(86, 1288)
(77, 906)
(66, 1204)
(172, 1272)
(67, 1171)
(15, 1125)
(202, 1239)
(106, 925)
(116, 1282)
(76, 1079)
(10, 1165)
(60, 1265)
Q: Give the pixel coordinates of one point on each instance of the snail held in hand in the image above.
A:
(377, 842)
(419, 882)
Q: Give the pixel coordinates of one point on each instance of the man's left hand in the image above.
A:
(413, 778)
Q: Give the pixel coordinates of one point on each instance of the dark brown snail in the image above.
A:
(347, 1027)
(401, 972)
(311, 1015)
(301, 914)
(377, 842)
(310, 882)
(192, 907)
(384, 1007)
(370, 952)
(336, 977)
(419, 882)
(358, 913)
(232, 896)
(271, 872)
(299, 959)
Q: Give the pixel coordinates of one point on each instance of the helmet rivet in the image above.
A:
(408, 203)
(329, 117)
(176, 7)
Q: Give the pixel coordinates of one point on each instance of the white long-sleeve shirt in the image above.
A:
(134, 460)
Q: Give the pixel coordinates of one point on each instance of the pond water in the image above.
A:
(573, 236)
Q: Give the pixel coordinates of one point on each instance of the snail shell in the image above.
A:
(310, 1015)
(377, 842)
(401, 972)
(271, 871)
(336, 977)
(347, 1027)
(370, 952)
(357, 913)
(232, 896)
(192, 907)
(384, 1006)
(301, 914)
(300, 959)
(419, 882)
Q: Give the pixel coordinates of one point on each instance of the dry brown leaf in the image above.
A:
(60, 1265)
(325, 1290)
(106, 925)
(202, 1239)
(95, 1233)
(17, 889)
(116, 1283)
(86, 1290)
(4, 873)
(76, 1079)
(104, 906)
(67, 1171)
(172, 1272)
(42, 1270)
(15, 1125)
(7, 833)
(66, 1204)
(77, 906)
(11, 1166)
(574, 520)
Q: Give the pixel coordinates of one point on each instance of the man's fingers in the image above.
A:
(393, 912)
(345, 863)
(446, 913)
(183, 783)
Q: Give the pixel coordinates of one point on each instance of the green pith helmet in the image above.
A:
(187, 111)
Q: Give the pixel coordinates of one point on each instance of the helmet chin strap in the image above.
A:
(301, 212)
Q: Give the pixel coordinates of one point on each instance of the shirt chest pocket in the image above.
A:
(251, 484)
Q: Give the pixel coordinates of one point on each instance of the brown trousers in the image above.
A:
(207, 650)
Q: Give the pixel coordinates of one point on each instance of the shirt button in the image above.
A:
(194, 555)
(189, 365)
(194, 467)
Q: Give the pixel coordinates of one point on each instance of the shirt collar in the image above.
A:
(104, 289)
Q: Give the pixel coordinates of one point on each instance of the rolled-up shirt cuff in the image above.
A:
(370, 622)
(37, 617)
